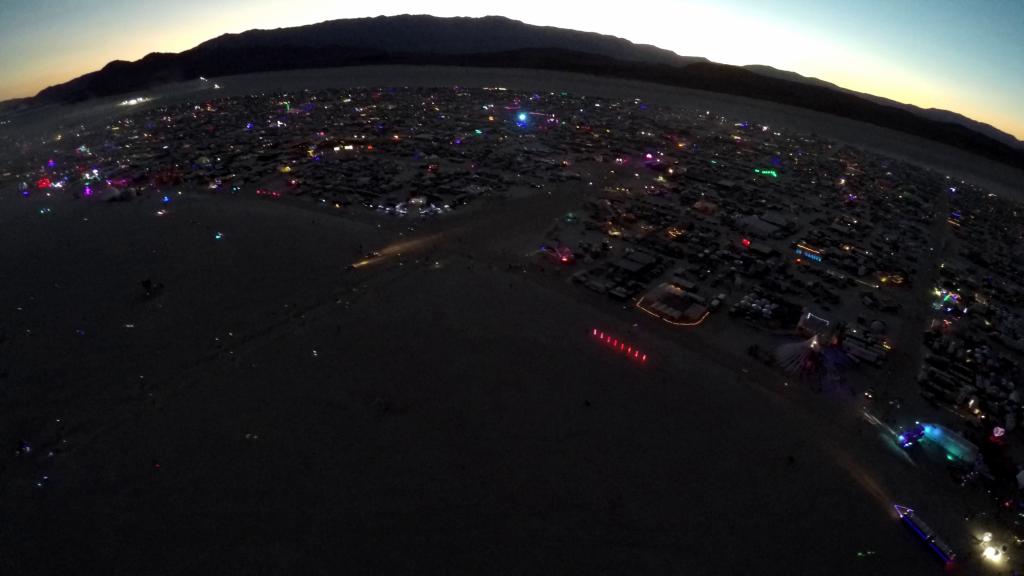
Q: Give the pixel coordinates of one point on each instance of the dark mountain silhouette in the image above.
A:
(936, 114)
(501, 42)
(430, 34)
(787, 75)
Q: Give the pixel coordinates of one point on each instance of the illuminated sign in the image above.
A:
(808, 252)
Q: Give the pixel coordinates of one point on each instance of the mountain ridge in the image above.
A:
(496, 41)
(937, 114)
(407, 33)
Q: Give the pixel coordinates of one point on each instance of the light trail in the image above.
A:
(862, 477)
(397, 249)
(887, 436)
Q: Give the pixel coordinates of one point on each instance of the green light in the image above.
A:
(766, 172)
(288, 106)
(478, 131)
(949, 457)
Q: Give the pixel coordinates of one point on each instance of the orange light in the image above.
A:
(698, 322)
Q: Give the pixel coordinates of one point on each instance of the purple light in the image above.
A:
(87, 191)
(51, 163)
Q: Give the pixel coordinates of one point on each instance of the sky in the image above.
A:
(954, 54)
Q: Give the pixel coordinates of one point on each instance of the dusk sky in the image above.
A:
(953, 54)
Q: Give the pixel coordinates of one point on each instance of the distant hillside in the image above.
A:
(429, 34)
(936, 114)
(501, 42)
(337, 42)
(787, 75)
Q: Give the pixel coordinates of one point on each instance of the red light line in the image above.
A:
(620, 346)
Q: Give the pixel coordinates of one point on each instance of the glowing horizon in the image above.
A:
(929, 53)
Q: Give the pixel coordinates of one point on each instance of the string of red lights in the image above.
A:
(619, 345)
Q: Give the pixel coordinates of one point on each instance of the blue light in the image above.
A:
(522, 116)
(166, 199)
(902, 439)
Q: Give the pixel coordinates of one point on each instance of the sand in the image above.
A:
(440, 411)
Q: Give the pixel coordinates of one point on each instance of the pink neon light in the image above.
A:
(620, 346)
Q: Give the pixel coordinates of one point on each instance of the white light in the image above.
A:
(134, 101)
